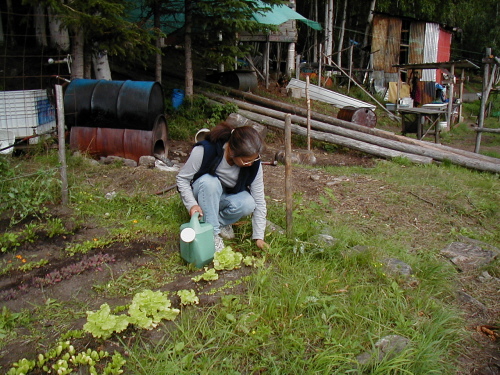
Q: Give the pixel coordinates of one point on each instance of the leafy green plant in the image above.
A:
(208, 275)
(86, 246)
(227, 259)
(148, 308)
(102, 323)
(188, 297)
(9, 241)
(55, 227)
(197, 114)
(63, 359)
(32, 265)
(219, 112)
(28, 195)
(9, 320)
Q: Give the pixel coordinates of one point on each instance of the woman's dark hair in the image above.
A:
(243, 141)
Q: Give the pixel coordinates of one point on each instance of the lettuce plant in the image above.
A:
(103, 323)
(227, 259)
(148, 308)
(209, 275)
(188, 297)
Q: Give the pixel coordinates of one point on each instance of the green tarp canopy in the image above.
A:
(280, 14)
(276, 15)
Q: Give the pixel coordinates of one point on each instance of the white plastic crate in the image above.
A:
(7, 139)
(26, 113)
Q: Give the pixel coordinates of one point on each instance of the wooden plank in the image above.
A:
(329, 96)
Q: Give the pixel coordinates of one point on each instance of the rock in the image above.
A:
(163, 167)
(470, 256)
(466, 298)
(271, 227)
(147, 161)
(164, 159)
(111, 159)
(129, 163)
(397, 267)
(486, 277)
(385, 348)
(323, 239)
(110, 195)
(116, 159)
(297, 157)
(315, 177)
(337, 180)
(356, 250)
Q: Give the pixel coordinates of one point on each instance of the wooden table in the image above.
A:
(425, 116)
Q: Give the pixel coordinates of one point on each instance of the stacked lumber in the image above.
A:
(372, 141)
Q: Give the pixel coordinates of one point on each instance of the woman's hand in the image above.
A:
(261, 244)
(194, 209)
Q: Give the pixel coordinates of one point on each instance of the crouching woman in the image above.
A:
(223, 181)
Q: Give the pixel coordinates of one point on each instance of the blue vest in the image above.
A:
(212, 156)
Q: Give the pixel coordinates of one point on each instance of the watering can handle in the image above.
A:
(195, 220)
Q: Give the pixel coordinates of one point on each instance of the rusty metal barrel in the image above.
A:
(360, 116)
(120, 118)
(244, 80)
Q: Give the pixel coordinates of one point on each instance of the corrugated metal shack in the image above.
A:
(399, 41)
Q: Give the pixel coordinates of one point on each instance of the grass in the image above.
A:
(315, 311)
(314, 307)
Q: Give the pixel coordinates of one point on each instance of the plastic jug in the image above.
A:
(197, 242)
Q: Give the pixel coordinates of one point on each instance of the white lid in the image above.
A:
(188, 235)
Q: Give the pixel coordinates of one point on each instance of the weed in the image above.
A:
(9, 241)
(28, 195)
(55, 227)
(8, 321)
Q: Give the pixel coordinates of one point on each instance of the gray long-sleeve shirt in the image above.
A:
(228, 175)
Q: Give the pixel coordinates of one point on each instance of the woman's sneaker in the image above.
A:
(226, 232)
(219, 243)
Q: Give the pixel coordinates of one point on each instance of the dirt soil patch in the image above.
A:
(24, 290)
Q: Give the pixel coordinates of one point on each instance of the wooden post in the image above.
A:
(350, 68)
(461, 105)
(484, 99)
(297, 67)
(288, 175)
(450, 97)
(62, 144)
(398, 91)
(319, 63)
(267, 56)
(308, 102)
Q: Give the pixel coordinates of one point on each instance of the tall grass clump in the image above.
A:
(26, 192)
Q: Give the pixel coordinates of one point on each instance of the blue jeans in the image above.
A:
(220, 208)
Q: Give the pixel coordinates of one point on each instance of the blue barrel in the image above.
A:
(113, 104)
(77, 101)
(103, 104)
(177, 98)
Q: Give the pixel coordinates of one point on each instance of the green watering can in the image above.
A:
(197, 242)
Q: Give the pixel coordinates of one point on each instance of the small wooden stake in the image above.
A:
(288, 174)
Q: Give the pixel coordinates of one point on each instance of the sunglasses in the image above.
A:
(249, 162)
